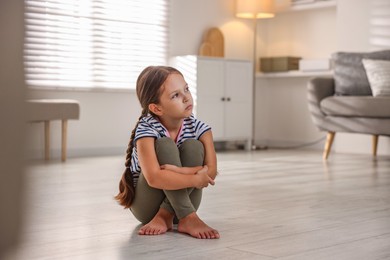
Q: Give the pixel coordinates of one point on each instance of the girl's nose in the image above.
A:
(186, 98)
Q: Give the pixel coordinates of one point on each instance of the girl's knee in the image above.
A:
(192, 153)
(143, 217)
(192, 145)
(167, 152)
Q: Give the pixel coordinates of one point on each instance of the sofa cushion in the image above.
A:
(378, 74)
(356, 106)
(349, 73)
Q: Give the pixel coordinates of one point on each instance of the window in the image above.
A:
(93, 43)
(380, 25)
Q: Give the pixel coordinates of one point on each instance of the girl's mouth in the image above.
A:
(189, 107)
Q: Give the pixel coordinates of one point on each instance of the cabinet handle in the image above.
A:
(223, 99)
(228, 99)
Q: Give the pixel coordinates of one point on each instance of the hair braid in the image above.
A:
(126, 185)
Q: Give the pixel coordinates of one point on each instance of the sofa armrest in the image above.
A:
(317, 90)
(320, 88)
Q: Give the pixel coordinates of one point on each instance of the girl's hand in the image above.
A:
(204, 178)
(169, 167)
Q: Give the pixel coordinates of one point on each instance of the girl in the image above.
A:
(170, 157)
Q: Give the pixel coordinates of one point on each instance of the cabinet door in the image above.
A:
(210, 90)
(238, 90)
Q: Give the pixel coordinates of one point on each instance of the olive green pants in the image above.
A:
(148, 200)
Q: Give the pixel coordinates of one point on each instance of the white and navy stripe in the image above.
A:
(150, 126)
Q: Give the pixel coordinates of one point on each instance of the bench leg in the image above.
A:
(47, 140)
(328, 144)
(64, 135)
(374, 144)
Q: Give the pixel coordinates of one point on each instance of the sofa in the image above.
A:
(356, 99)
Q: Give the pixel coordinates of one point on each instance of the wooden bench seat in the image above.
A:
(46, 110)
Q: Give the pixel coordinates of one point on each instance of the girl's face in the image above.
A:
(175, 100)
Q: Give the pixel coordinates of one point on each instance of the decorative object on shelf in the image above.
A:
(278, 64)
(212, 44)
(314, 64)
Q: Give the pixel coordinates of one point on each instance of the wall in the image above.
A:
(190, 19)
(353, 34)
(307, 34)
(12, 199)
(282, 116)
(353, 26)
(106, 121)
(108, 118)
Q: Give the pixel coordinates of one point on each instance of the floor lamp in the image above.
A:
(254, 9)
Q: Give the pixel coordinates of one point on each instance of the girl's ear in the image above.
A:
(155, 109)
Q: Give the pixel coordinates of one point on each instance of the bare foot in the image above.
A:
(195, 227)
(160, 224)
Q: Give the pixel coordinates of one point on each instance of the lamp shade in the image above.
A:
(255, 9)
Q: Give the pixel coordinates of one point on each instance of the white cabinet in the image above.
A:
(222, 90)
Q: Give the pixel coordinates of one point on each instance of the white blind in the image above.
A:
(93, 43)
(380, 25)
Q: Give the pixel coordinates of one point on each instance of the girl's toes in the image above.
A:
(141, 231)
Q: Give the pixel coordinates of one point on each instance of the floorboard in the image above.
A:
(274, 204)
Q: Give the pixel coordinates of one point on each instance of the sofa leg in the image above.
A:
(374, 144)
(328, 144)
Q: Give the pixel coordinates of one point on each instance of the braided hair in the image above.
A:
(148, 89)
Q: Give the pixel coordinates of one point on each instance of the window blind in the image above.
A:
(380, 25)
(93, 43)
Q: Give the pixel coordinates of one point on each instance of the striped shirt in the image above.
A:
(150, 126)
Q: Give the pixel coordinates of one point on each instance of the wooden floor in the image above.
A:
(266, 205)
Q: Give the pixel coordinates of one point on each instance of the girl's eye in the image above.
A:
(187, 89)
(175, 95)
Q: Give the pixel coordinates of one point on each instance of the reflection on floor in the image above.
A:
(266, 205)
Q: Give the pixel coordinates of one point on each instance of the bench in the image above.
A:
(46, 110)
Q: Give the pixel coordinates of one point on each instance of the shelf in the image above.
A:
(311, 6)
(294, 74)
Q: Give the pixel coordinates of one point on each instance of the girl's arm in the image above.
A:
(210, 155)
(210, 159)
(182, 170)
(165, 179)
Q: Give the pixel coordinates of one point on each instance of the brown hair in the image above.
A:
(148, 91)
